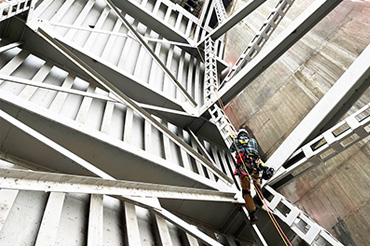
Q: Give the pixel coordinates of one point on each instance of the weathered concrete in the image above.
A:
(334, 194)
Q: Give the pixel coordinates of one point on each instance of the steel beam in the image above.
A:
(152, 21)
(135, 193)
(39, 84)
(356, 77)
(299, 222)
(7, 199)
(50, 221)
(126, 100)
(119, 34)
(60, 127)
(262, 36)
(11, 8)
(231, 21)
(192, 230)
(95, 227)
(204, 11)
(153, 205)
(201, 146)
(132, 225)
(53, 182)
(299, 27)
(9, 46)
(220, 11)
(68, 154)
(152, 54)
(162, 231)
(327, 145)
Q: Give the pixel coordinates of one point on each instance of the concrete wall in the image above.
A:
(334, 194)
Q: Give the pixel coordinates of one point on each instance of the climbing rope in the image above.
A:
(261, 197)
(250, 178)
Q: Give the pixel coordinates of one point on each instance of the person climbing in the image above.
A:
(249, 164)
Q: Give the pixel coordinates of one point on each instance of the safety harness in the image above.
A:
(252, 160)
(245, 157)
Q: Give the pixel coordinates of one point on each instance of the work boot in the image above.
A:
(253, 218)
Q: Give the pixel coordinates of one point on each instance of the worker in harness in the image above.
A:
(246, 153)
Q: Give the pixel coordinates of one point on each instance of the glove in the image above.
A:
(268, 172)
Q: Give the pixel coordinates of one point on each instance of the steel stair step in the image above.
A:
(90, 41)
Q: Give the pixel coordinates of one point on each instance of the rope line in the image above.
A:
(250, 178)
(260, 195)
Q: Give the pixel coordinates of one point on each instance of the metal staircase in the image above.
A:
(97, 31)
(90, 109)
(113, 110)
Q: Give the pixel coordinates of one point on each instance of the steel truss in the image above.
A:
(330, 143)
(348, 88)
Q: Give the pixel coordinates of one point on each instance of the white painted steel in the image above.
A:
(223, 123)
(49, 182)
(10, 8)
(301, 25)
(231, 21)
(68, 154)
(299, 222)
(188, 228)
(50, 220)
(148, 49)
(332, 142)
(7, 198)
(135, 229)
(210, 79)
(162, 229)
(126, 100)
(13, 64)
(354, 77)
(95, 226)
(218, 117)
(260, 39)
(110, 115)
(130, 149)
(9, 46)
(82, 40)
(160, 15)
(132, 227)
(192, 240)
(204, 13)
(24, 219)
(220, 11)
(28, 91)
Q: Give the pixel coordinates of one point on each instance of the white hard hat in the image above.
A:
(241, 131)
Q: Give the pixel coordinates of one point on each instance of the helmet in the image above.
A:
(243, 132)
